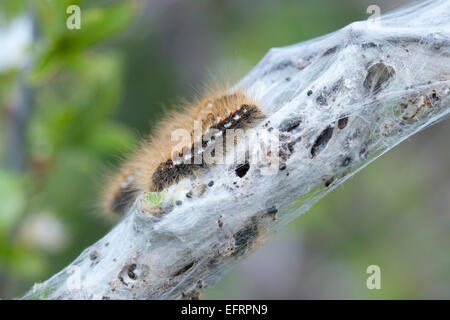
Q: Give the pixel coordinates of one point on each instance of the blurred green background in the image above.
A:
(74, 102)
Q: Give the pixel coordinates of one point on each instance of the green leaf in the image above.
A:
(98, 24)
(12, 199)
(155, 199)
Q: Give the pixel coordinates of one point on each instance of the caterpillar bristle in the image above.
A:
(157, 163)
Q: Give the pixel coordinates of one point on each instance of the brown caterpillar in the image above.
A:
(156, 164)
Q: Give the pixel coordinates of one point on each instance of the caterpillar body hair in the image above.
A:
(156, 164)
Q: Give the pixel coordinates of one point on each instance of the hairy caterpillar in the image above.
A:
(156, 164)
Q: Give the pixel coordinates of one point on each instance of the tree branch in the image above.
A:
(335, 103)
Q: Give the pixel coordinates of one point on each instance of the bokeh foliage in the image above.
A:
(75, 81)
